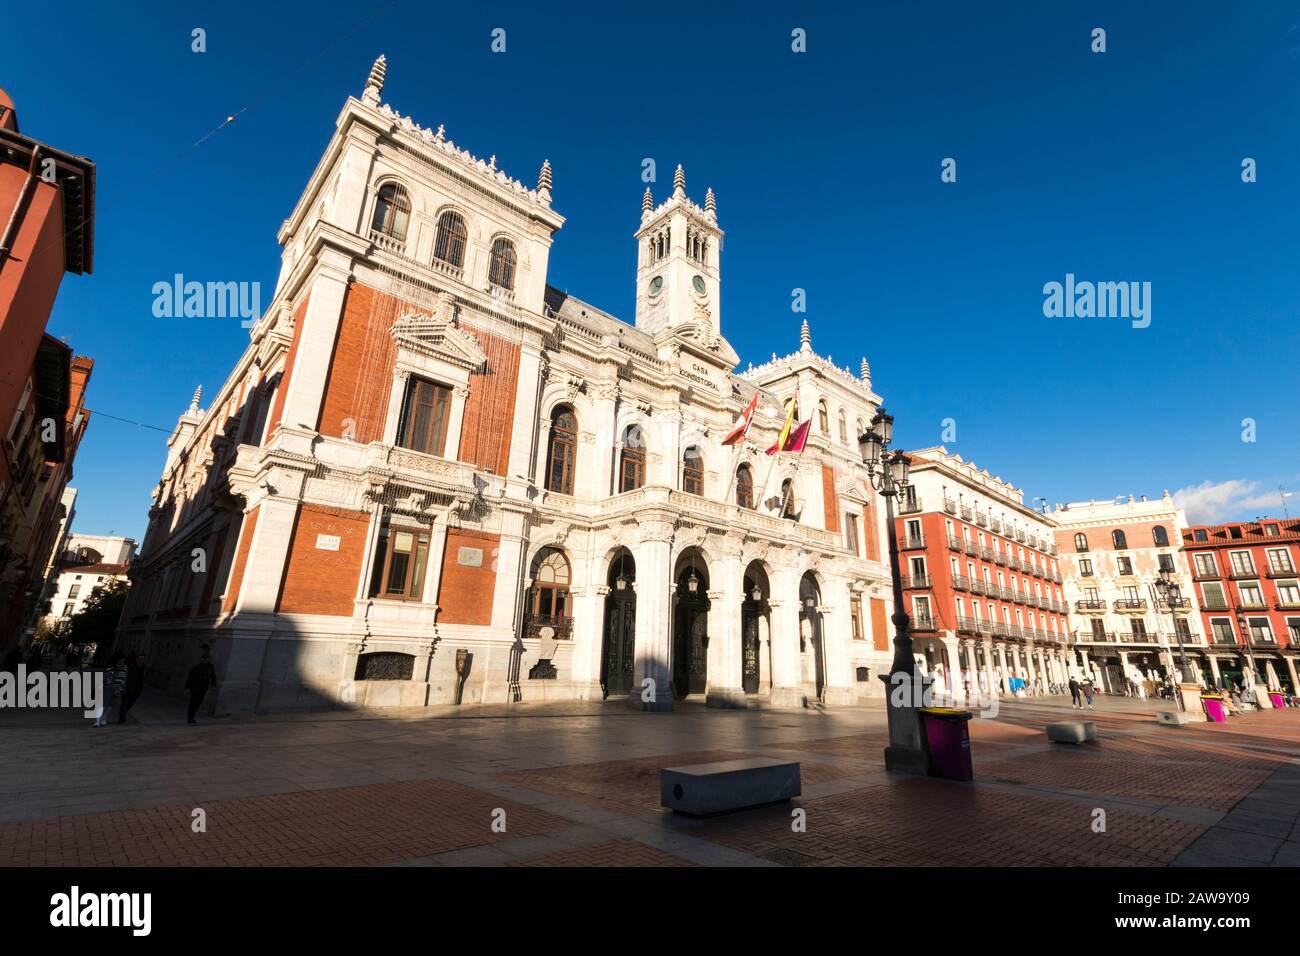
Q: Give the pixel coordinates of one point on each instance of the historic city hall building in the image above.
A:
(433, 478)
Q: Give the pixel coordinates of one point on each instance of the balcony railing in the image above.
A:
(1175, 605)
(1000, 558)
(995, 525)
(922, 622)
(971, 549)
(1287, 572)
(1288, 605)
(1020, 536)
(1090, 605)
(915, 581)
(977, 586)
(986, 554)
(961, 582)
(954, 542)
(1214, 604)
(950, 506)
(912, 543)
(1006, 594)
(1200, 575)
(387, 243)
(1130, 604)
(967, 512)
(982, 518)
(1254, 604)
(533, 624)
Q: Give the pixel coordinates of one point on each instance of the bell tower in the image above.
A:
(678, 254)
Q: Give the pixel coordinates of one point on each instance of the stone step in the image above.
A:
(702, 790)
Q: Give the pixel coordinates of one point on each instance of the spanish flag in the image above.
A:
(791, 409)
(741, 428)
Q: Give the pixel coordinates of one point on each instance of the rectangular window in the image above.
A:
(1279, 561)
(1251, 595)
(1205, 566)
(1288, 592)
(1166, 562)
(74, 590)
(1098, 629)
(1212, 596)
(1293, 629)
(913, 529)
(1090, 595)
(851, 533)
(1125, 565)
(1260, 631)
(1139, 629)
(921, 611)
(67, 610)
(424, 417)
(1241, 563)
(400, 564)
(858, 634)
(1131, 594)
(918, 568)
(1221, 631)
(1085, 567)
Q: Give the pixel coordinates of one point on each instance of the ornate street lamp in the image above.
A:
(1172, 595)
(888, 472)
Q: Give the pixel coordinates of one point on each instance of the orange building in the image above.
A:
(46, 207)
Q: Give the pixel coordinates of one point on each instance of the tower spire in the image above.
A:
(679, 181)
(375, 82)
(805, 338)
(866, 371)
(710, 203)
(647, 203)
(544, 180)
(194, 402)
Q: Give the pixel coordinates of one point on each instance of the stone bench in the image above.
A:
(1073, 732)
(701, 790)
(1177, 718)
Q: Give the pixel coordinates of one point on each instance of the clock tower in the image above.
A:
(678, 247)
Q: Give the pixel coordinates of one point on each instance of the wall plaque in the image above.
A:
(470, 557)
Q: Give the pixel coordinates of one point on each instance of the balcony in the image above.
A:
(950, 506)
(915, 582)
(977, 587)
(1130, 604)
(1014, 563)
(1214, 604)
(954, 543)
(912, 543)
(386, 242)
(922, 622)
(1020, 597)
(961, 582)
(534, 623)
(1200, 575)
(1287, 572)
(1020, 536)
(971, 549)
(1090, 606)
(967, 513)
(910, 507)
(995, 525)
(1000, 558)
(1006, 594)
(1287, 605)
(1178, 604)
(986, 554)
(967, 625)
(1254, 604)
(982, 518)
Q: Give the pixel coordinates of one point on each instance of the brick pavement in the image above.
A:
(579, 787)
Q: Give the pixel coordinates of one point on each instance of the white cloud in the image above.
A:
(1214, 502)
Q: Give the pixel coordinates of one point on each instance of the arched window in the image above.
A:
(392, 210)
(693, 471)
(745, 486)
(501, 272)
(1080, 542)
(548, 602)
(562, 451)
(787, 499)
(1118, 540)
(631, 466)
(844, 430)
(823, 418)
(449, 245)
(1160, 536)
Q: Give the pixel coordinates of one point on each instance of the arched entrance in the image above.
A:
(754, 618)
(618, 646)
(811, 645)
(690, 626)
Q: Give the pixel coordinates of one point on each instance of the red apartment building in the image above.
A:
(46, 212)
(981, 578)
(1249, 589)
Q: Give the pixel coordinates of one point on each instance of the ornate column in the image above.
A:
(972, 670)
(723, 688)
(314, 346)
(837, 638)
(524, 434)
(955, 671)
(1214, 671)
(605, 398)
(653, 650)
(1004, 684)
(787, 678)
(989, 675)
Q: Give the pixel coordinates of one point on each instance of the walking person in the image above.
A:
(1075, 700)
(133, 687)
(114, 681)
(202, 676)
(1087, 692)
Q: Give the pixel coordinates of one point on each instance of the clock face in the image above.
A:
(656, 284)
(698, 282)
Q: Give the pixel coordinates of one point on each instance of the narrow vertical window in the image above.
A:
(449, 244)
(561, 454)
(424, 417)
(392, 210)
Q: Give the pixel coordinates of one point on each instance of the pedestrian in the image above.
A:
(133, 687)
(114, 681)
(202, 676)
(1074, 694)
(1087, 692)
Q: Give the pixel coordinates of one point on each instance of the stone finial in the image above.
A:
(710, 203)
(194, 402)
(866, 370)
(375, 82)
(805, 338)
(679, 180)
(647, 201)
(544, 178)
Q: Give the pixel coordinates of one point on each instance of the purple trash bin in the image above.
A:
(1276, 700)
(949, 740)
(1214, 710)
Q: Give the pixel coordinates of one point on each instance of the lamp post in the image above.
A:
(1244, 626)
(888, 473)
(1172, 595)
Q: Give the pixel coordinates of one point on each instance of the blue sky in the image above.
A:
(1122, 166)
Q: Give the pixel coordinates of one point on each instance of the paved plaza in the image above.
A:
(578, 784)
